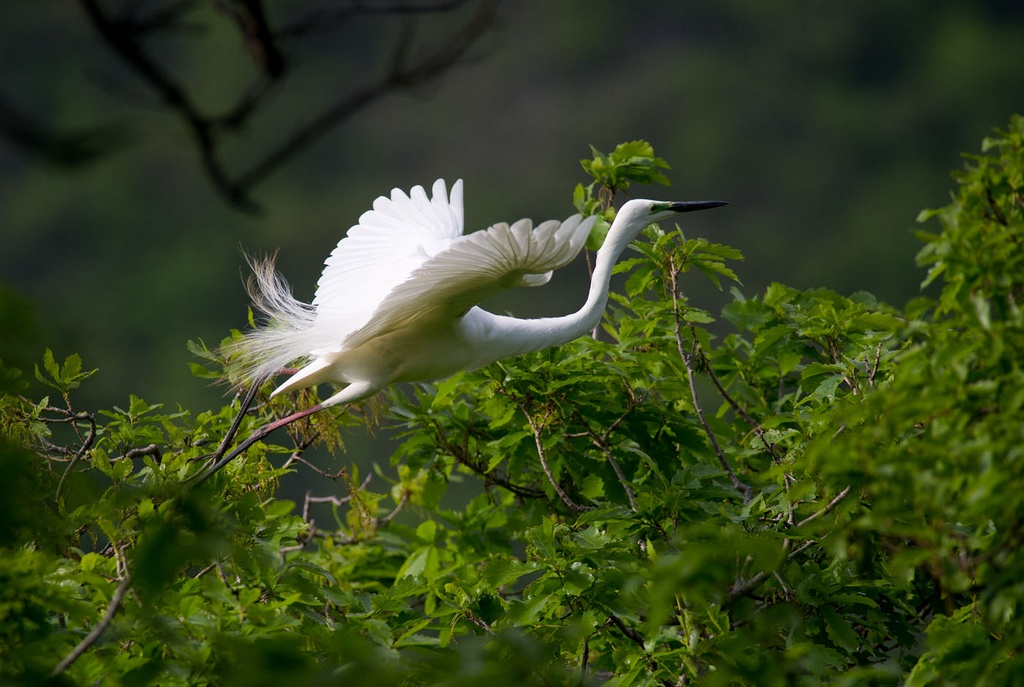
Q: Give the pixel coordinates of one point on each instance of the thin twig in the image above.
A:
(737, 408)
(97, 630)
(634, 401)
(787, 480)
(397, 509)
(151, 450)
(827, 509)
(237, 422)
(873, 368)
(460, 452)
(301, 541)
(618, 473)
(573, 506)
(333, 500)
(479, 622)
(743, 586)
(302, 442)
(82, 450)
(427, 68)
(296, 457)
(257, 435)
(687, 359)
(602, 441)
(630, 633)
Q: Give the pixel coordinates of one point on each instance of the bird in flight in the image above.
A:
(397, 300)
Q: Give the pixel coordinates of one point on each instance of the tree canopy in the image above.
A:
(809, 487)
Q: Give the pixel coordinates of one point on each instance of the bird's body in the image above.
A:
(397, 301)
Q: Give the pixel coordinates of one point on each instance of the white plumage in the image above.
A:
(397, 298)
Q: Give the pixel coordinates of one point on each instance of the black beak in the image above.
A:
(694, 205)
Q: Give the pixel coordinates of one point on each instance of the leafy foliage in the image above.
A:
(615, 173)
(819, 488)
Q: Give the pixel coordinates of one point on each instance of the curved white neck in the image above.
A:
(510, 336)
(503, 337)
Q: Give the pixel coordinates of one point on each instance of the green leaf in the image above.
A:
(423, 562)
(501, 572)
(839, 630)
(313, 568)
(526, 611)
(65, 377)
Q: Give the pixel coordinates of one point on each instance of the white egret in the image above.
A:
(397, 301)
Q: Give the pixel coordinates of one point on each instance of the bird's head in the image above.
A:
(656, 210)
(636, 214)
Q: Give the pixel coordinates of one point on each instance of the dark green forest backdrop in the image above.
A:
(827, 125)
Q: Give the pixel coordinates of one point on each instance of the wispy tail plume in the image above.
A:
(264, 351)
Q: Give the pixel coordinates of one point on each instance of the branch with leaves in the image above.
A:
(881, 539)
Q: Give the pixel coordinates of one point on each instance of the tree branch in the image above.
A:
(461, 454)
(124, 36)
(573, 506)
(687, 359)
(257, 435)
(829, 507)
(259, 40)
(602, 442)
(237, 422)
(322, 19)
(87, 442)
(396, 78)
(125, 43)
(744, 586)
(744, 415)
(97, 630)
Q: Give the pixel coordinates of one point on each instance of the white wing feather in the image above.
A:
(405, 264)
(380, 252)
(389, 243)
(472, 268)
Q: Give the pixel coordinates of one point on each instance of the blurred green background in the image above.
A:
(828, 126)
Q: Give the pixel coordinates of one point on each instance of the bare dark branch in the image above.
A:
(327, 18)
(237, 422)
(398, 77)
(126, 43)
(150, 450)
(124, 33)
(87, 441)
(259, 40)
(59, 148)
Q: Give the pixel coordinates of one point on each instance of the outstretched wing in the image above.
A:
(474, 267)
(379, 253)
